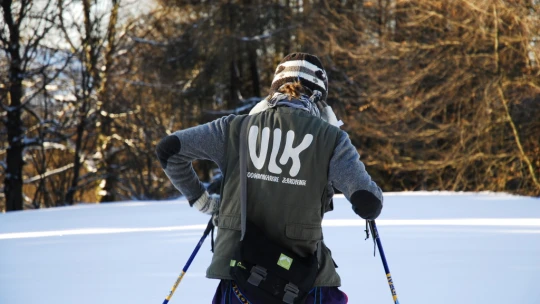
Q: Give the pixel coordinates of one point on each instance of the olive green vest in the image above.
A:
(288, 159)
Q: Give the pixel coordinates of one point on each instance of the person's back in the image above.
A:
(287, 177)
(295, 157)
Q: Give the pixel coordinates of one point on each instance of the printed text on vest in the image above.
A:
(289, 152)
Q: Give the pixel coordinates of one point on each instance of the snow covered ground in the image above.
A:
(443, 248)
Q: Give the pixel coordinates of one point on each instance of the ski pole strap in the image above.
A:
(368, 228)
(209, 228)
(212, 241)
(243, 174)
(374, 234)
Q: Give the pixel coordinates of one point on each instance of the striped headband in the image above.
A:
(301, 67)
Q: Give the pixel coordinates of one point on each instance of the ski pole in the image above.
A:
(377, 239)
(193, 254)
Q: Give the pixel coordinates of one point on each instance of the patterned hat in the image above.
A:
(302, 67)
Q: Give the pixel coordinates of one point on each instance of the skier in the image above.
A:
(296, 156)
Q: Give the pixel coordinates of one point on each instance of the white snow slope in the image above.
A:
(441, 247)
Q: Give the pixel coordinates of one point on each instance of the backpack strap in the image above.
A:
(243, 174)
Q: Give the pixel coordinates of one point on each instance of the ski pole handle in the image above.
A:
(375, 234)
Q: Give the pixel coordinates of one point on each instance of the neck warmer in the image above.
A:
(303, 103)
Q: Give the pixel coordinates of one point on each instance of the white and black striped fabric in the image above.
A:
(302, 67)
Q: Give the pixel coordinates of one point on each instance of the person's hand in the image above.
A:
(208, 203)
(215, 185)
(369, 210)
(366, 204)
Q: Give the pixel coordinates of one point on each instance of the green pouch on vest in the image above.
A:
(270, 273)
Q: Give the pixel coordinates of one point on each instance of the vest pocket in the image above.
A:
(232, 222)
(303, 232)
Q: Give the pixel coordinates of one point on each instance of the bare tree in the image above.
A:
(93, 41)
(31, 67)
(438, 94)
(435, 94)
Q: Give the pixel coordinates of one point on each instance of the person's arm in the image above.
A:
(176, 152)
(348, 174)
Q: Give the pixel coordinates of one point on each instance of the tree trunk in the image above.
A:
(70, 195)
(107, 186)
(13, 181)
(254, 69)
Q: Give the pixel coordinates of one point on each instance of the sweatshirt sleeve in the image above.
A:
(176, 152)
(348, 174)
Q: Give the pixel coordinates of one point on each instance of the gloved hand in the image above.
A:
(366, 204)
(215, 185)
(209, 204)
(370, 212)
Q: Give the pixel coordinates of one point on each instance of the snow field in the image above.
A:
(441, 247)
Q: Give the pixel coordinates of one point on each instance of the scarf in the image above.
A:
(304, 103)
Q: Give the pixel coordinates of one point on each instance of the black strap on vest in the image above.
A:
(243, 174)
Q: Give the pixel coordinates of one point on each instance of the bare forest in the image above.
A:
(435, 94)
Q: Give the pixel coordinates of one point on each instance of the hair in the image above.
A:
(293, 89)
